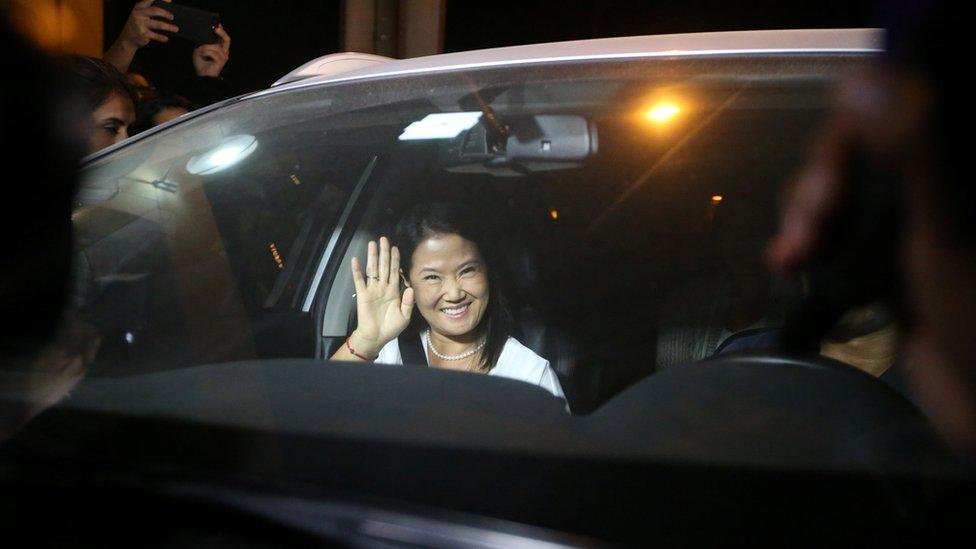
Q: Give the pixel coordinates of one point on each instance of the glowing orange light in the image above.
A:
(662, 112)
(716, 198)
(50, 23)
(554, 214)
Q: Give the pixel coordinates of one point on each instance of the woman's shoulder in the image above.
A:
(519, 362)
(517, 353)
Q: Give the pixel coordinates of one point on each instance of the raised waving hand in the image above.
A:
(382, 312)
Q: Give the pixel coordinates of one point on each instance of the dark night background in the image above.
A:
(272, 38)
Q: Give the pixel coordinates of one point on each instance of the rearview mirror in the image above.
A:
(530, 143)
(552, 138)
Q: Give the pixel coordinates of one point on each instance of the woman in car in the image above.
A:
(464, 323)
(107, 97)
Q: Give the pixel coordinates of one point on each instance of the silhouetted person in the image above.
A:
(43, 354)
(147, 23)
(159, 108)
(906, 116)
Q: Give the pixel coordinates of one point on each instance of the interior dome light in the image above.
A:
(662, 112)
(230, 151)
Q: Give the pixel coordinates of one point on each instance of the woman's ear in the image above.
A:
(403, 278)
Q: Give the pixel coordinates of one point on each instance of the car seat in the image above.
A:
(728, 291)
(537, 331)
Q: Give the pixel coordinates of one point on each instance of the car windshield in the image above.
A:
(630, 201)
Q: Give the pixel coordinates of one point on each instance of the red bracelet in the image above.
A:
(357, 355)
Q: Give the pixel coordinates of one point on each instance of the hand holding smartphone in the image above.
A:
(195, 25)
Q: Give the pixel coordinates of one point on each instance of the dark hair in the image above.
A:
(93, 81)
(147, 109)
(428, 219)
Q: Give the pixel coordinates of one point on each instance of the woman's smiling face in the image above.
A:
(450, 283)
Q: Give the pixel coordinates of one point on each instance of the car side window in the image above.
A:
(194, 251)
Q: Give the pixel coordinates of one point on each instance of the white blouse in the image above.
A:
(516, 362)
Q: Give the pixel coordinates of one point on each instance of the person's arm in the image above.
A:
(357, 348)
(141, 28)
(881, 112)
(382, 313)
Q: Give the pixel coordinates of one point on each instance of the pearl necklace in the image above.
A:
(461, 356)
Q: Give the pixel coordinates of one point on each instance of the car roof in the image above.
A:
(667, 45)
(796, 41)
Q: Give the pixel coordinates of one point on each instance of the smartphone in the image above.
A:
(197, 26)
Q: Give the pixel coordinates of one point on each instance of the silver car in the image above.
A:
(629, 184)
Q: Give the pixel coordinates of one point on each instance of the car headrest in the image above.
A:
(521, 270)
